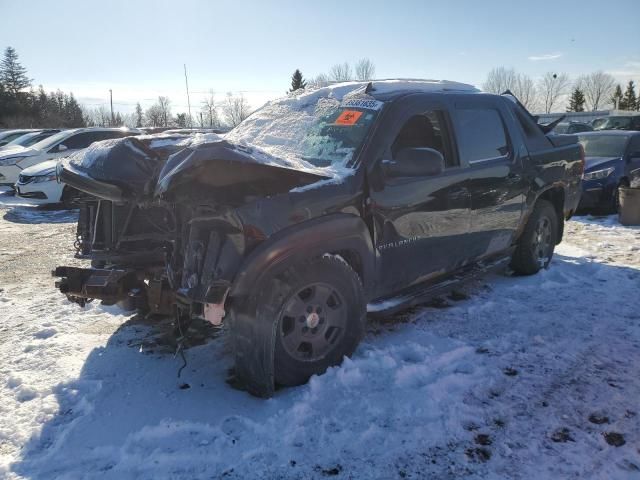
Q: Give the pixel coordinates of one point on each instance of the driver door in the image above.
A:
(420, 223)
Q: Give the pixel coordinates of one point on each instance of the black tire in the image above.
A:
(68, 197)
(331, 296)
(615, 206)
(538, 240)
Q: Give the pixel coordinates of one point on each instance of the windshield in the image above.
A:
(51, 141)
(315, 127)
(613, 123)
(561, 128)
(26, 140)
(603, 145)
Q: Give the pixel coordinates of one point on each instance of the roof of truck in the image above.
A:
(389, 88)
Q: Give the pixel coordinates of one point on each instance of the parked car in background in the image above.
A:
(58, 145)
(152, 130)
(612, 160)
(193, 131)
(9, 135)
(28, 139)
(379, 193)
(38, 182)
(617, 122)
(572, 127)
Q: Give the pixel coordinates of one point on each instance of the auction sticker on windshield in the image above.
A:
(362, 103)
(348, 117)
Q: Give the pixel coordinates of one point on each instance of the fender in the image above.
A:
(548, 192)
(330, 233)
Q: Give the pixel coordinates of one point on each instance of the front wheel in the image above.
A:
(538, 240)
(309, 317)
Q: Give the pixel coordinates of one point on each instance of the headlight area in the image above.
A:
(48, 176)
(5, 162)
(598, 174)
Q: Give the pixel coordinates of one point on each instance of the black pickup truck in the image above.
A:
(316, 208)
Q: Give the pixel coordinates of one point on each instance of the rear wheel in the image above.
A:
(537, 243)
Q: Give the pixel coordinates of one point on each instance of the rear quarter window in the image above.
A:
(480, 134)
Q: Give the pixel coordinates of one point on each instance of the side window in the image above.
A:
(82, 140)
(115, 134)
(480, 134)
(427, 130)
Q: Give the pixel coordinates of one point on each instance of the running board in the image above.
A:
(423, 293)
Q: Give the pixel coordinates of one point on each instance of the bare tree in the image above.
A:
(340, 72)
(522, 86)
(209, 111)
(500, 79)
(165, 109)
(321, 80)
(235, 109)
(365, 69)
(525, 91)
(597, 87)
(154, 116)
(552, 86)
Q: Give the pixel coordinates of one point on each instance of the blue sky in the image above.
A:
(138, 48)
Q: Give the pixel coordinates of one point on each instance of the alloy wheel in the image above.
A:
(313, 322)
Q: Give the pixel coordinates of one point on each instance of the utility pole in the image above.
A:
(186, 82)
(113, 120)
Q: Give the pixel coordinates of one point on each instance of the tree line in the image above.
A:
(228, 112)
(591, 92)
(22, 106)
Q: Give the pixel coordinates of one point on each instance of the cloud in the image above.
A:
(546, 56)
(628, 71)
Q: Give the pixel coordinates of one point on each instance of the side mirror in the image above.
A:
(415, 162)
(62, 148)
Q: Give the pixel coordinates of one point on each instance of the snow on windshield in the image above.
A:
(314, 130)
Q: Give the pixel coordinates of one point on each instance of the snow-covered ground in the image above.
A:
(516, 377)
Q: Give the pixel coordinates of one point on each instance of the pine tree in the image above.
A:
(297, 81)
(616, 98)
(576, 102)
(629, 101)
(13, 75)
(139, 115)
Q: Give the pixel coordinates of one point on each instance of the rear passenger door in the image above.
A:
(496, 182)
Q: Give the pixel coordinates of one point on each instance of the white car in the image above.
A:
(7, 136)
(16, 159)
(29, 139)
(38, 184)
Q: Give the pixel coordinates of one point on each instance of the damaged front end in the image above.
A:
(161, 228)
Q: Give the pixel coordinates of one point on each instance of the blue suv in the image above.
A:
(612, 160)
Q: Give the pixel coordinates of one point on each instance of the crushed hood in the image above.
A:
(226, 172)
(231, 170)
